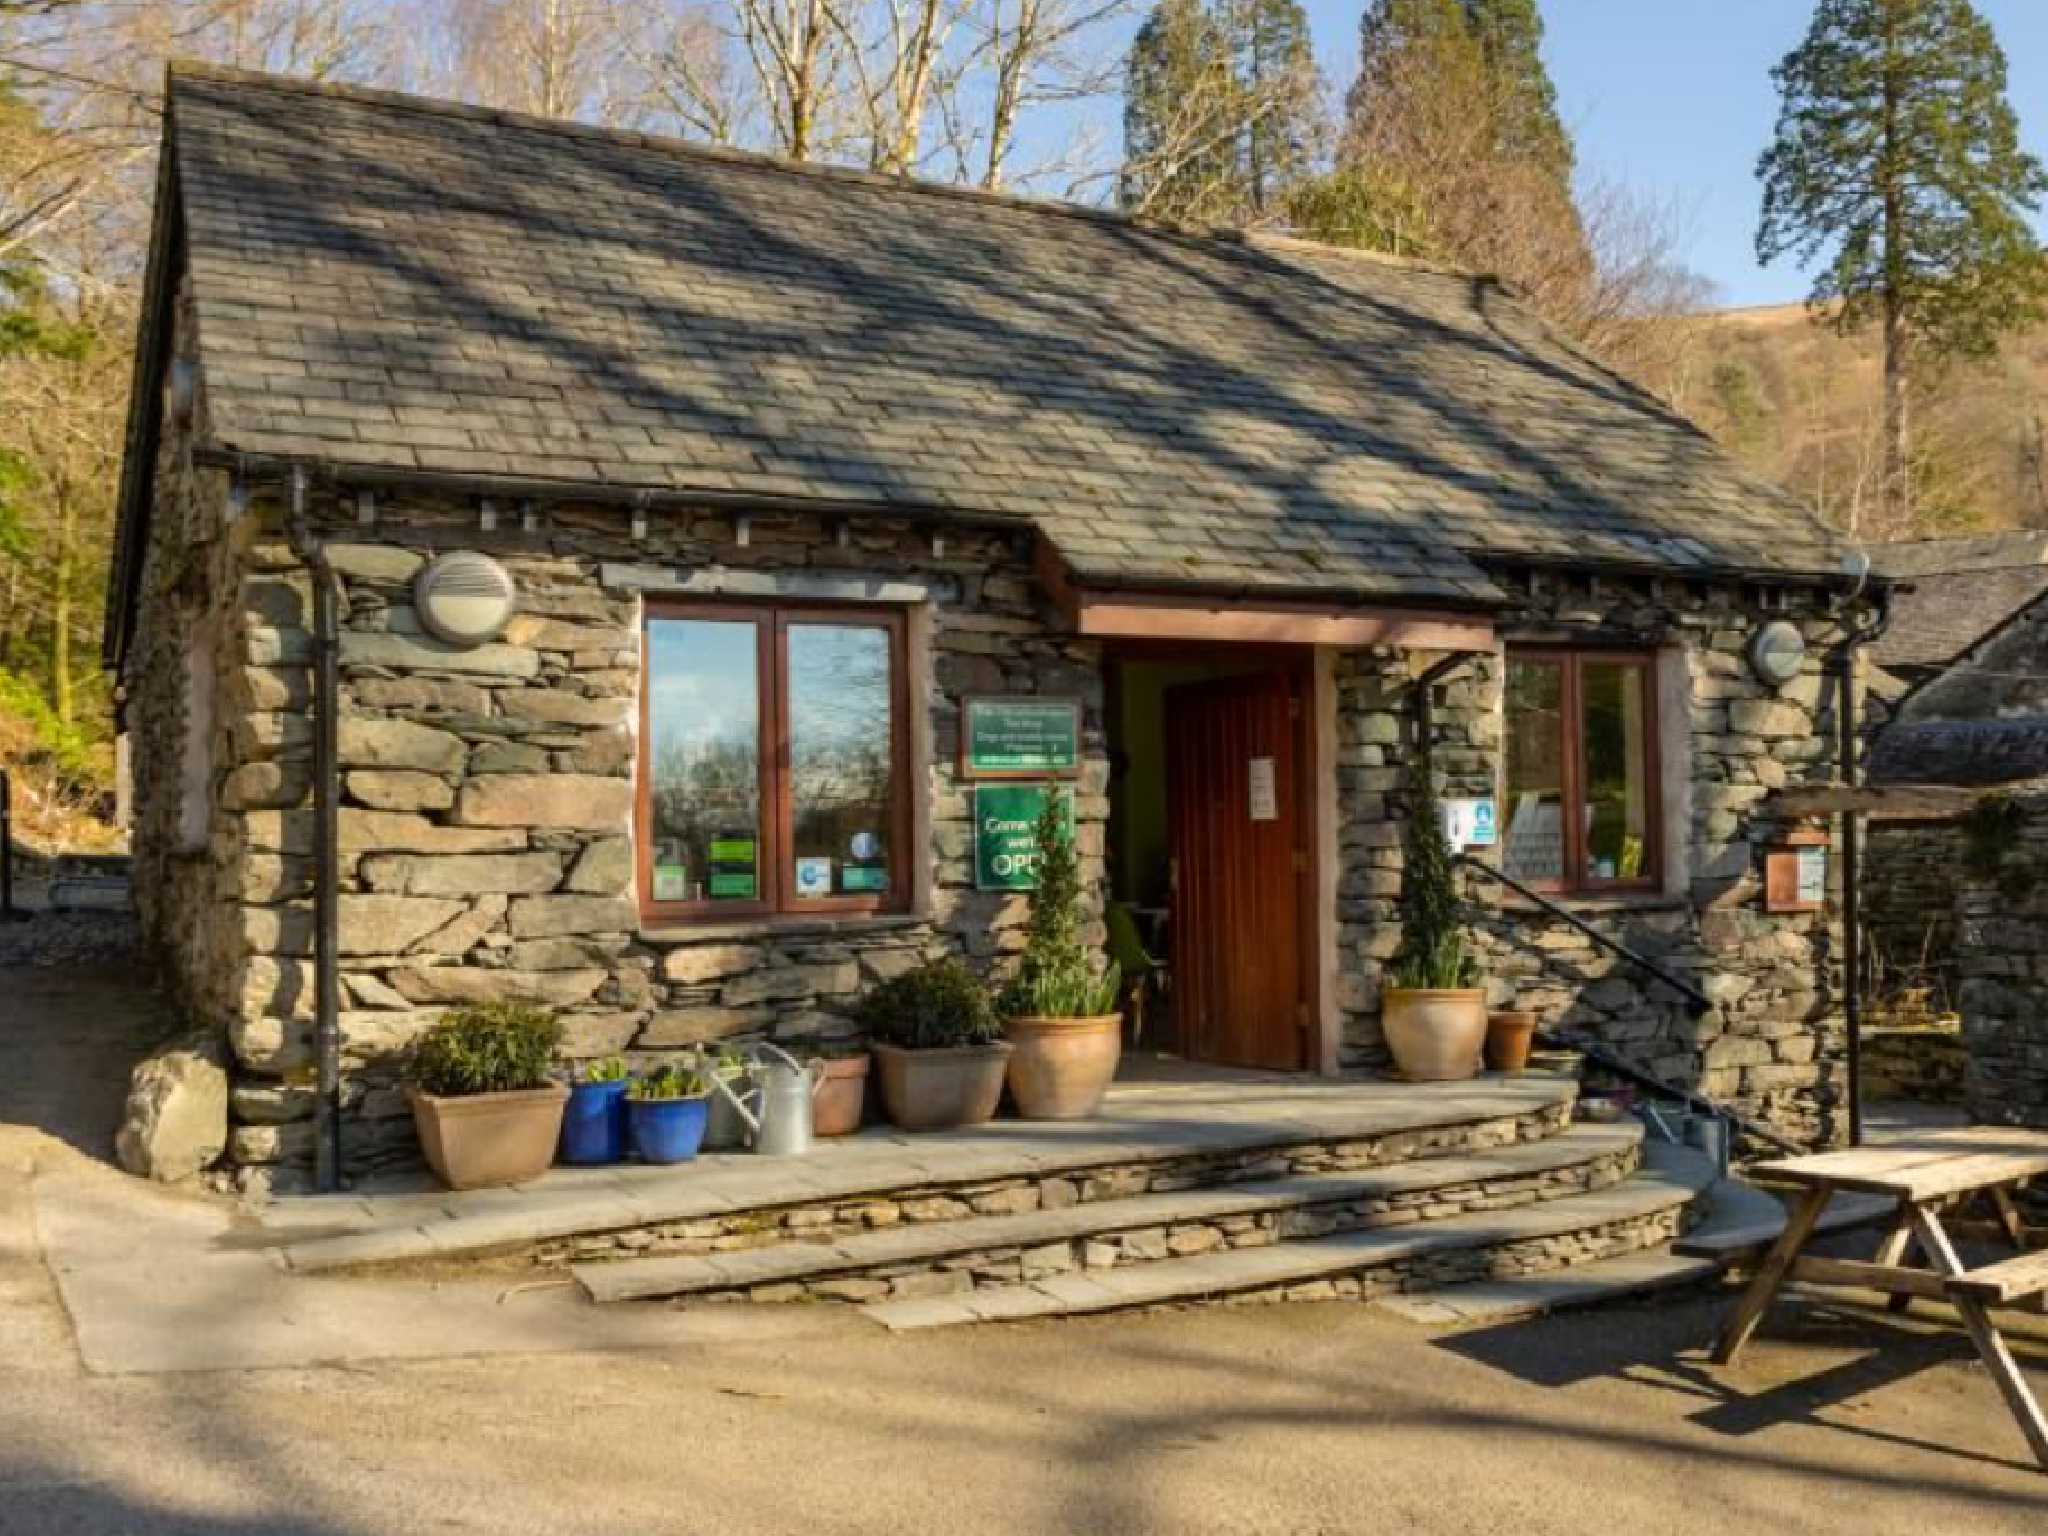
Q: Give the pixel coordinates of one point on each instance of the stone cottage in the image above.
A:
(658, 580)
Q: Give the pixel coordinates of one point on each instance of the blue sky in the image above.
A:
(1675, 97)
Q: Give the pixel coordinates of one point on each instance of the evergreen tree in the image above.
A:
(1276, 74)
(1897, 157)
(1454, 115)
(1219, 110)
(1179, 157)
(1510, 36)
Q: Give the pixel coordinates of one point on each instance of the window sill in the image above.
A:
(850, 926)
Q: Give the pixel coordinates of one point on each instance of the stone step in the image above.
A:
(1641, 1213)
(1729, 1206)
(908, 1259)
(1149, 1139)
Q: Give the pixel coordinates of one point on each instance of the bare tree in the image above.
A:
(553, 58)
(1031, 54)
(893, 50)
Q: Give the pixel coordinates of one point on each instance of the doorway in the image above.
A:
(1213, 846)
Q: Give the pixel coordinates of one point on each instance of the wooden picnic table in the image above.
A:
(1932, 1180)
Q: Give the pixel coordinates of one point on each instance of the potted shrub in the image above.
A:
(486, 1110)
(842, 1096)
(1433, 1009)
(1060, 1010)
(594, 1124)
(938, 1046)
(668, 1110)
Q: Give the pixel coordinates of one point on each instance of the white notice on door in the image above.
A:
(1265, 799)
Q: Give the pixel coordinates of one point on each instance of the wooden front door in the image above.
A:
(1236, 755)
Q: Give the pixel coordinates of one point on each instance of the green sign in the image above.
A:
(1005, 855)
(1021, 737)
(734, 859)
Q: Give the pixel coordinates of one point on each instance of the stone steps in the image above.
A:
(1640, 1213)
(916, 1259)
(1729, 1206)
(1149, 1140)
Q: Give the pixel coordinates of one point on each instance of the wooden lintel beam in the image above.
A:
(1899, 802)
(1148, 618)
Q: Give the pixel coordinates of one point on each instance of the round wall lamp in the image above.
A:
(1777, 652)
(464, 598)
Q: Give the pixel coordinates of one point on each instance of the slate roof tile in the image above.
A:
(502, 295)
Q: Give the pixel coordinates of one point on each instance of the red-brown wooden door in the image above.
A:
(1234, 760)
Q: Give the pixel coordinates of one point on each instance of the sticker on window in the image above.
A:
(813, 877)
(856, 878)
(733, 860)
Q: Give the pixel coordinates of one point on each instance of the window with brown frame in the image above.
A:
(773, 779)
(1582, 732)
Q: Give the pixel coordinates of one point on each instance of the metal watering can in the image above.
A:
(776, 1105)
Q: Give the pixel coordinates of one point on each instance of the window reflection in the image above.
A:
(704, 724)
(840, 739)
(1534, 850)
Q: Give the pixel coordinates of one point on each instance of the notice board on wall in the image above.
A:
(1019, 737)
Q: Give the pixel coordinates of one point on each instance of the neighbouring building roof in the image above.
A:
(1962, 590)
(1960, 752)
(387, 282)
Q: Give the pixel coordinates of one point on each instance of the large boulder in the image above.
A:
(176, 1121)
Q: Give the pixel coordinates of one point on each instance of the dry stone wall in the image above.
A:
(1773, 1043)
(488, 798)
(1909, 903)
(2002, 966)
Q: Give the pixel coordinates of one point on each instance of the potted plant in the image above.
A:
(842, 1095)
(668, 1110)
(1509, 1034)
(594, 1124)
(938, 1045)
(1433, 1009)
(1060, 1010)
(486, 1110)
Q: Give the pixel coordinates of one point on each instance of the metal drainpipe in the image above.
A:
(1843, 664)
(326, 844)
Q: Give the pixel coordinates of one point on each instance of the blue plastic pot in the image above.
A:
(594, 1125)
(668, 1130)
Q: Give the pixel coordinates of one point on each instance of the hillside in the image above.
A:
(1803, 407)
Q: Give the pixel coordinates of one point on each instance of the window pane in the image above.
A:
(1617, 771)
(1535, 726)
(704, 727)
(840, 740)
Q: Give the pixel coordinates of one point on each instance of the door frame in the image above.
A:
(1314, 669)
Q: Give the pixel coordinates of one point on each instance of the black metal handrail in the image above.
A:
(1604, 1058)
(1616, 1066)
(1700, 1001)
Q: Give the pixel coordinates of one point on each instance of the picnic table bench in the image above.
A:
(1929, 1184)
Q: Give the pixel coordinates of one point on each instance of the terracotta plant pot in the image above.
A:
(1436, 1036)
(491, 1138)
(932, 1090)
(842, 1096)
(1509, 1034)
(1061, 1068)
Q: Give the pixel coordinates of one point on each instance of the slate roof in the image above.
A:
(1962, 589)
(1960, 752)
(385, 281)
